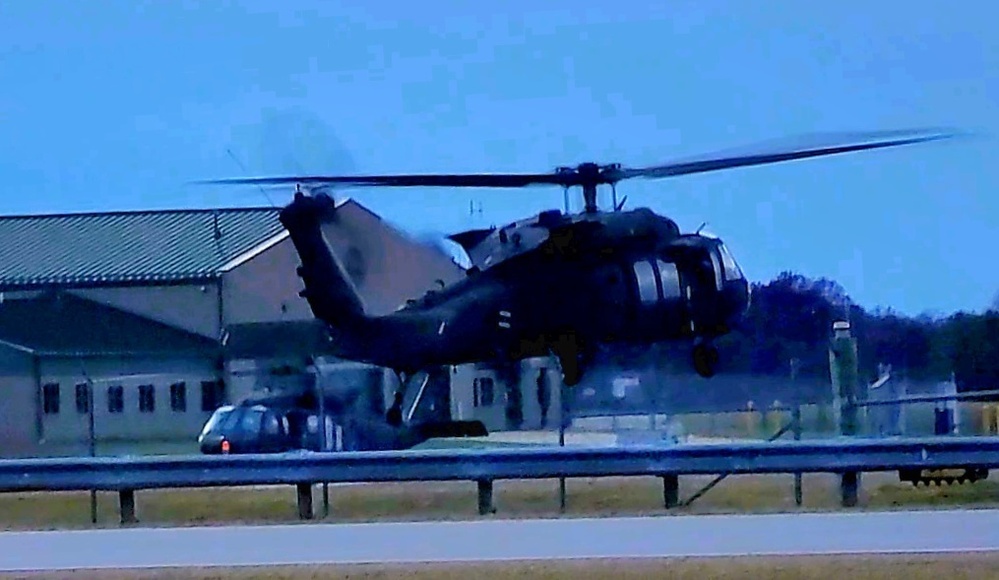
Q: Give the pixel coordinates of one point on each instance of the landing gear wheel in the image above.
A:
(705, 359)
(394, 414)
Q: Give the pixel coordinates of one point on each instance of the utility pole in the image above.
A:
(91, 435)
(844, 373)
(796, 419)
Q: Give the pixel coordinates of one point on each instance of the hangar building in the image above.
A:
(151, 305)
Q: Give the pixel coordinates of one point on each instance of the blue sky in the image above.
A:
(119, 104)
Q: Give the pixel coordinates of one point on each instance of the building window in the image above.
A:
(116, 399)
(178, 397)
(50, 398)
(212, 395)
(82, 400)
(147, 399)
(483, 392)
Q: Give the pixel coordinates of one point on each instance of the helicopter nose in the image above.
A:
(737, 287)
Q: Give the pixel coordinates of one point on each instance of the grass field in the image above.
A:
(911, 567)
(458, 500)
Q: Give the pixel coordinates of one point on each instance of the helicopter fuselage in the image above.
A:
(588, 281)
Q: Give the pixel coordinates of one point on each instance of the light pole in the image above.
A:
(91, 436)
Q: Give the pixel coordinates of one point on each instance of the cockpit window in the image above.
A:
(731, 267)
(717, 269)
(215, 421)
(271, 424)
(252, 419)
(229, 421)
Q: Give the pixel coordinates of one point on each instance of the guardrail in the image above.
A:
(843, 456)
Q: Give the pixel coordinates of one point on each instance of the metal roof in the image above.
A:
(60, 324)
(129, 247)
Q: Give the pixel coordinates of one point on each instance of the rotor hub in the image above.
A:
(588, 176)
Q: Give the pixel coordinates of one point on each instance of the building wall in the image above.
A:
(242, 377)
(245, 376)
(194, 308)
(17, 404)
(70, 422)
(386, 266)
(265, 288)
(470, 398)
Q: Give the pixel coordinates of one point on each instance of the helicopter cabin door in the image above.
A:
(610, 308)
(659, 306)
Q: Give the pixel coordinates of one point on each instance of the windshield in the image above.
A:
(233, 421)
(216, 419)
(732, 269)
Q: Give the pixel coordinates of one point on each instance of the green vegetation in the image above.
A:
(791, 317)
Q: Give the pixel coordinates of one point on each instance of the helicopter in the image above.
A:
(555, 284)
(291, 420)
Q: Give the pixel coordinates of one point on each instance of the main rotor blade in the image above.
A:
(414, 180)
(591, 173)
(821, 144)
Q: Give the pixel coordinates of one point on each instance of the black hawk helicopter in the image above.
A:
(562, 284)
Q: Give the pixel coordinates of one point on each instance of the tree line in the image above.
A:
(791, 317)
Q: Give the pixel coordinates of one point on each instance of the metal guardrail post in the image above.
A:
(326, 499)
(126, 506)
(486, 506)
(93, 506)
(850, 488)
(561, 495)
(671, 490)
(305, 501)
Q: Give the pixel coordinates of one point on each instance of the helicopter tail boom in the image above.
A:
(328, 290)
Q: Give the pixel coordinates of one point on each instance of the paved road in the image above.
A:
(667, 536)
